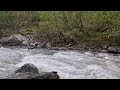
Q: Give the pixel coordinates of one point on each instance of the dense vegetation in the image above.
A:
(92, 29)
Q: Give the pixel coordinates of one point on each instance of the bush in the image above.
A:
(63, 27)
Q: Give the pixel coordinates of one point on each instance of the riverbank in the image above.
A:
(30, 42)
(62, 49)
(81, 30)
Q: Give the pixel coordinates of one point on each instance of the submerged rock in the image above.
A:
(30, 71)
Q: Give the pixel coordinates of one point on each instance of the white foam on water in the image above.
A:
(68, 64)
(8, 59)
(75, 65)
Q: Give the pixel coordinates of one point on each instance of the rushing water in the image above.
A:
(68, 64)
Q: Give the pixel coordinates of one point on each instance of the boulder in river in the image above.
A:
(28, 68)
(30, 71)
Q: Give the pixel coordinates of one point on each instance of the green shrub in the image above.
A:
(63, 27)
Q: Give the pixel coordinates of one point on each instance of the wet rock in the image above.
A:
(49, 75)
(113, 50)
(30, 71)
(28, 68)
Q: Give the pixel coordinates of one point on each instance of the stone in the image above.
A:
(10, 41)
(13, 40)
(48, 75)
(30, 71)
(48, 45)
(28, 68)
(112, 50)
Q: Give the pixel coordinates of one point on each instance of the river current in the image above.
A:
(68, 64)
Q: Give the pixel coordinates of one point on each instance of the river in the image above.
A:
(68, 64)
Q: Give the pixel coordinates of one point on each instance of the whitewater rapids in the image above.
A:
(68, 64)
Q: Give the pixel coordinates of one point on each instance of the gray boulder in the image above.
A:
(13, 40)
(30, 71)
(48, 75)
(33, 46)
(113, 50)
(28, 68)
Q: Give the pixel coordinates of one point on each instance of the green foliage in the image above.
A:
(99, 27)
(12, 21)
